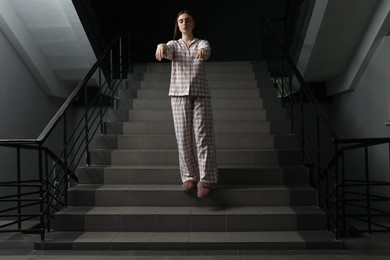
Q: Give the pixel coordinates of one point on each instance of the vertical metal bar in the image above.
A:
(120, 59)
(291, 100)
(47, 193)
(19, 191)
(335, 199)
(343, 198)
(111, 76)
(302, 125)
(86, 124)
(129, 61)
(100, 102)
(368, 195)
(65, 140)
(318, 183)
(41, 206)
(65, 166)
(327, 205)
(281, 76)
(262, 38)
(286, 25)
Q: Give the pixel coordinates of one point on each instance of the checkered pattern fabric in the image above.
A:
(194, 115)
(188, 76)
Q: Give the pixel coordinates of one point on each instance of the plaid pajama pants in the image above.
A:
(193, 120)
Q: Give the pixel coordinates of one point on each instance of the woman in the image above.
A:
(191, 105)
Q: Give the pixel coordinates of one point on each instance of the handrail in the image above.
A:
(313, 101)
(42, 137)
(337, 192)
(56, 169)
(56, 118)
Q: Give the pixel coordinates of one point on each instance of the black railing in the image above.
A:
(359, 203)
(44, 168)
(347, 201)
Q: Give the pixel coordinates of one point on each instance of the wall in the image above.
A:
(362, 113)
(24, 110)
(23, 105)
(233, 29)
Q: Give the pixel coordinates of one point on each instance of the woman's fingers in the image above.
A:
(159, 54)
(202, 54)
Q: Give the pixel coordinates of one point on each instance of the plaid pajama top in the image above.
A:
(188, 75)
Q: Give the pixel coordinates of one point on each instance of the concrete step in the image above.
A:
(119, 195)
(260, 175)
(154, 76)
(237, 93)
(261, 240)
(211, 67)
(218, 114)
(164, 103)
(231, 103)
(168, 141)
(170, 157)
(190, 219)
(223, 127)
(214, 84)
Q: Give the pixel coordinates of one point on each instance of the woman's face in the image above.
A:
(186, 23)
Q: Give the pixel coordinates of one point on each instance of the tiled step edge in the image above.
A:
(290, 174)
(186, 219)
(280, 240)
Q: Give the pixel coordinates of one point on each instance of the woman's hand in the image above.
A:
(160, 52)
(202, 54)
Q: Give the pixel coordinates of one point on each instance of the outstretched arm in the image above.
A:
(161, 51)
(204, 50)
(202, 54)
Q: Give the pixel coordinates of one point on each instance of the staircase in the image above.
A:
(130, 197)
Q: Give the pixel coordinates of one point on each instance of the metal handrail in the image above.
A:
(333, 187)
(56, 169)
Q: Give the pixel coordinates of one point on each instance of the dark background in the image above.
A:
(232, 28)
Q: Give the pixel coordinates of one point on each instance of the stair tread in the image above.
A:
(217, 134)
(177, 187)
(265, 149)
(192, 210)
(221, 167)
(190, 240)
(214, 109)
(171, 166)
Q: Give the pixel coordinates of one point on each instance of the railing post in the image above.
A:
(65, 139)
(111, 86)
(47, 192)
(327, 205)
(335, 198)
(121, 59)
(65, 152)
(343, 198)
(102, 131)
(368, 195)
(128, 60)
(291, 100)
(41, 195)
(19, 191)
(318, 137)
(302, 125)
(86, 124)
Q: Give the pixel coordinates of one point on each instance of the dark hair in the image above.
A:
(176, 32)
